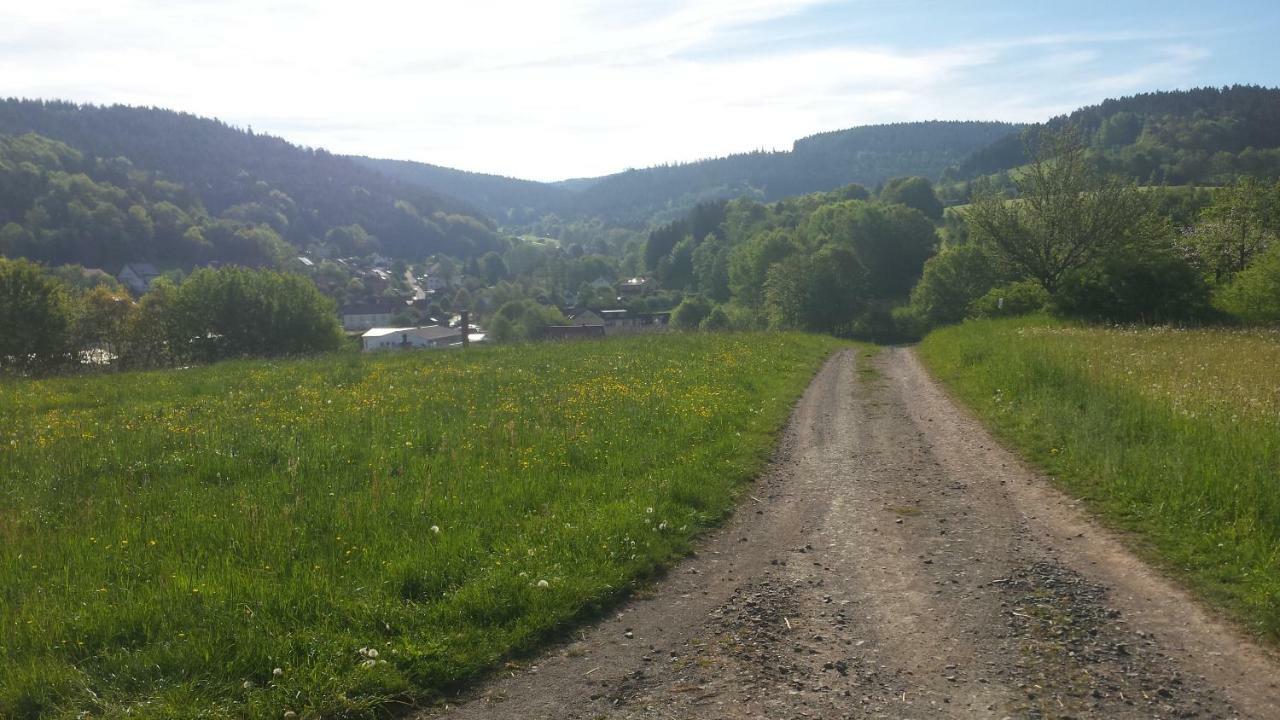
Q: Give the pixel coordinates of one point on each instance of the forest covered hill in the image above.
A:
(868, 155)
(504, 198)
(1183, 137)
(105, 185)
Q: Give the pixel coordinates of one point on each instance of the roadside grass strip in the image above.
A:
(1171, 434)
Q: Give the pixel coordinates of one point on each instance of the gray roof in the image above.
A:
(141, 269)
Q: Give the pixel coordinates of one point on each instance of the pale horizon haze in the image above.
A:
(578, 88)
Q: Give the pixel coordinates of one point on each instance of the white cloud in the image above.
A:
(545, 90)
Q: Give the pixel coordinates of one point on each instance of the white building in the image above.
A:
(392, 338)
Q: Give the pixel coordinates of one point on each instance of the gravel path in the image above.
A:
(895, 562)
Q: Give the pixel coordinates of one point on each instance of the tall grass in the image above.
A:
(340, 536)
(1174, 434)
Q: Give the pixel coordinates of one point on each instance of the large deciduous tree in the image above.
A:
(1066, 214)
(891, 242)
(823, 292)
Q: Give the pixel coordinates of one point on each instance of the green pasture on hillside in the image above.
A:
(1174, 434)
(348, 535)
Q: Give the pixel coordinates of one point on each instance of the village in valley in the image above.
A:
(387, 304)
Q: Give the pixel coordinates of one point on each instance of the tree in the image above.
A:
(461, 300)
(520, 320)
(892, 242)
(1148, 279)
(1242, 222)
(914, 192)
(103, 316)
(36, 319)
(823, 292)
(952, 280)
(493, 268)
(237, 312)
(352, 240)
(711, 269)
(749, 264)
(1254, 294)
(676, 270)
(151, 336)
(717, 320)
(1120, 129)
(690, 313)
(1067, 213)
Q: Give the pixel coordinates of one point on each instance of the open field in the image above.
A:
(342, 535)
(1173, 434)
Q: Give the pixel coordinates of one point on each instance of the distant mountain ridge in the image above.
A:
(868, 155)
(495, 195)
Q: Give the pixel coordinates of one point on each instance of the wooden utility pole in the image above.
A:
(465, 324)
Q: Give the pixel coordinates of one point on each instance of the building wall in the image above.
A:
(396, 341)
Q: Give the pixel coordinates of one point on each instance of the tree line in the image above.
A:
(56, 321)
(1074, 239)
(1069, 236)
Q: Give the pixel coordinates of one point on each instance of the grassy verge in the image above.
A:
(342, 536)
(1172, 434)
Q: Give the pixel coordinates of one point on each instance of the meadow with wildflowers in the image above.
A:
(346, 535)
(1173, 434)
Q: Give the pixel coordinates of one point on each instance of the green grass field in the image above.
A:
(344, 536)
(1173, 434)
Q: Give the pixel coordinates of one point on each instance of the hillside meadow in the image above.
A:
(348, 535)
(1172, 434)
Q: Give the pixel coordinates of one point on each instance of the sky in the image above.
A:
(554, 89)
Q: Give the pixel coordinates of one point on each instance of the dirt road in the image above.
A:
(896, 562)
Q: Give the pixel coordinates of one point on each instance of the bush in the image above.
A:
(690, 313)
(742, 318)
(520, 320)
(952, 280)
(1254, 294)
(718, 319)
(1151, 286)
(1019, 298)
(909, 324)
(882, 323)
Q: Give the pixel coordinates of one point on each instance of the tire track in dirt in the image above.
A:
(895, 562)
